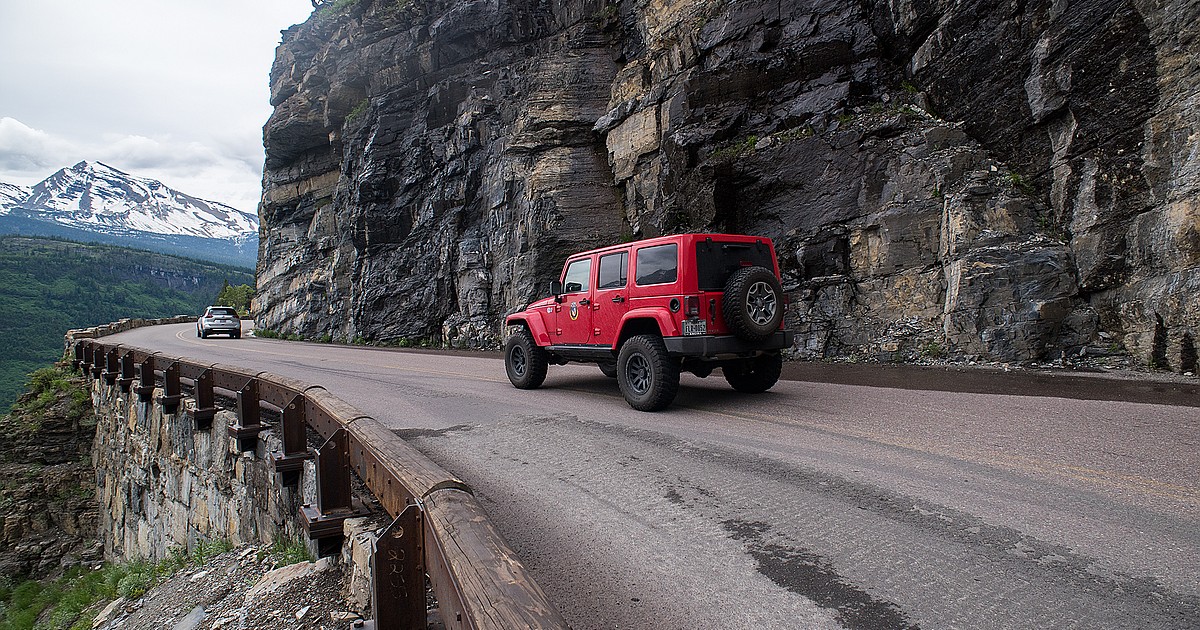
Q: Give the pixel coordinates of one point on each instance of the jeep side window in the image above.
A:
(657, 265)
(577, 279)
(614, 271)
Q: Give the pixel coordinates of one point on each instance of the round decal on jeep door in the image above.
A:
(574, 311)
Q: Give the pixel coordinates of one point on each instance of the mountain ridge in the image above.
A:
(92, 201)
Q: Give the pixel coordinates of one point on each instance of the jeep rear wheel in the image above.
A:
(756, 375)
(753, 303)
(609, 369)
(524, 361)
(647, 375)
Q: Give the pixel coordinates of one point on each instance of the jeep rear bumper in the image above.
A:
(716, 345)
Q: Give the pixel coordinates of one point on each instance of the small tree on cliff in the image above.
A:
(237, 297)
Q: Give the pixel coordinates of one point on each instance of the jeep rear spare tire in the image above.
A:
(753, 303)
(647, 375)
(524, 361)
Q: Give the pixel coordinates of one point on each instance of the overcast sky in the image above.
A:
(175, 90)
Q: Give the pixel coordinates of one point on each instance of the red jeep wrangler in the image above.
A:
(648, 310)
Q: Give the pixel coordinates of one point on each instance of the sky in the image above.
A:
(173, 90)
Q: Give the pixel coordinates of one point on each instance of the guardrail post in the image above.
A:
(126, 371)
(290, 464)
(86, 364)
(145, 388)
(249, 424)
(97, 361)
(398, 574)
(77, 361)
(172, 392)
(335, 504)
(205, 402)
(112, 367)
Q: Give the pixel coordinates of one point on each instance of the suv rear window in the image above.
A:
(658, 264)
(716, 261)
(222, 312)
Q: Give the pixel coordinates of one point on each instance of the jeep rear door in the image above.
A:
(611, 296)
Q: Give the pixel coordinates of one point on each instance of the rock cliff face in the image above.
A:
(48, 511)
(1001, 179)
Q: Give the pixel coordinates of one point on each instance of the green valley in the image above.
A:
(49, 286)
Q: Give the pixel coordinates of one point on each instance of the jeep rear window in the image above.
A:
(658, 264)
(716, 261)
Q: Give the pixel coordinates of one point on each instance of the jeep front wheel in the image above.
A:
(524, 361)
(647, 375)
(756, 375)
(752, 303)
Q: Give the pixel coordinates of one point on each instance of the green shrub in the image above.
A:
(288, 551)
(134, 585)
(207, 549)
(358, 110)
(736, 150)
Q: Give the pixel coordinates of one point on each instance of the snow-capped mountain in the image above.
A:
(12, 196)
(96, 197)
(92, 201)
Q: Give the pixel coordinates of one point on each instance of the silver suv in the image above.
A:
(219, 320)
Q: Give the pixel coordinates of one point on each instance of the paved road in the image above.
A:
(815, 505)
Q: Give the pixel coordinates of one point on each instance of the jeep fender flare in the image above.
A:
(660, 317)
(535, 324)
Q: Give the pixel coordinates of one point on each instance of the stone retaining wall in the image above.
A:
(163, 485)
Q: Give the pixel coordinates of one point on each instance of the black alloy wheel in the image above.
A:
(647, 375)
(524, 361)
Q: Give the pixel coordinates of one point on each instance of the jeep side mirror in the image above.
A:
(556, 289)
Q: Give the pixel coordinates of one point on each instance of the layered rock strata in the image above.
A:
(1012, 181)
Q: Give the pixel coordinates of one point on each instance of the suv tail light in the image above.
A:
(691, 306)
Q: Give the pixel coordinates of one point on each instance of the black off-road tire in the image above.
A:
(609, 369)
(647, 375)
(753, 303)
(754, 376)
(524, 361)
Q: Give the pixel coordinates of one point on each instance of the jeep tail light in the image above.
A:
(691, 306)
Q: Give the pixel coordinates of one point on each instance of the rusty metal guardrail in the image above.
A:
(439, 529)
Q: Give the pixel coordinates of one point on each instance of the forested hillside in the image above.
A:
(49, 286)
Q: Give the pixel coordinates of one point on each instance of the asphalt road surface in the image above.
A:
(814, 505)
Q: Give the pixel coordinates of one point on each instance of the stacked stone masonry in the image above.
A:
(163, 485)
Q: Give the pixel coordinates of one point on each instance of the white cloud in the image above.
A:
(170, 89)
(213, 172)
(27, 152)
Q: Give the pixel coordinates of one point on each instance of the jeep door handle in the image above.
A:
(618, 299)
(584, 302)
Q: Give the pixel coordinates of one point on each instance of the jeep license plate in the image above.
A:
(695, 327)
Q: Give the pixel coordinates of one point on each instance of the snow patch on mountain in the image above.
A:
(12, 196)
